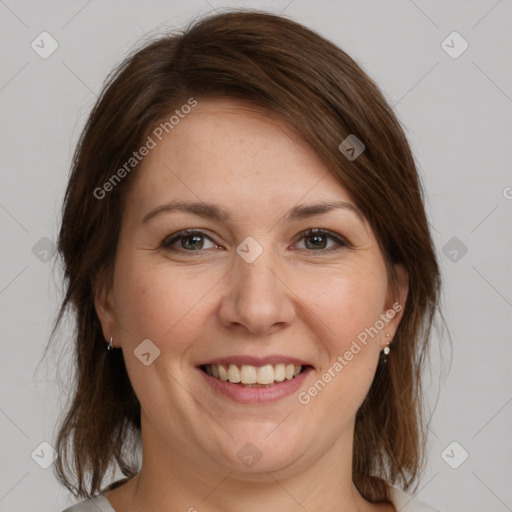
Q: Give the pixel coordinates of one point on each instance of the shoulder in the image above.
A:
(98, 503)
(406, 503)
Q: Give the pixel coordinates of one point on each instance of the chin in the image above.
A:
(254, 451)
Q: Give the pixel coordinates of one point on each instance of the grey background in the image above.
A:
(457, 115)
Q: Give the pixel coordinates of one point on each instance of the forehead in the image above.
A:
(232, 152)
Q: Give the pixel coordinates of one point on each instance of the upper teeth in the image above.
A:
(248, 374)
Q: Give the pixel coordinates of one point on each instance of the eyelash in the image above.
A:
(170, 240)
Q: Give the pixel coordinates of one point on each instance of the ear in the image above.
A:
(104, 306)
(395, 303)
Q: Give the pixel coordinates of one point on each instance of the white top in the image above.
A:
(402, 501)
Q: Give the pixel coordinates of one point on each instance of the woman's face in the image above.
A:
(248, 287)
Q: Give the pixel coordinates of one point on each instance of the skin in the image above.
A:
(295, 299)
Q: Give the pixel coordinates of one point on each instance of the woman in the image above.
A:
(254, 282)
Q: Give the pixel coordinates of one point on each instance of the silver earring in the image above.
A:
(110, 346)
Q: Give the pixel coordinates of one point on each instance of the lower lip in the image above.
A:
(245, 395)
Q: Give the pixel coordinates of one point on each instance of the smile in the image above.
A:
(255, 380)
(248, 375)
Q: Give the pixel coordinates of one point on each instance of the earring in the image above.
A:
(386, 349)
(110, 346)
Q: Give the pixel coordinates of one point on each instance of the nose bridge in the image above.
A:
(255, 271)
(254, 278)
(258, 297)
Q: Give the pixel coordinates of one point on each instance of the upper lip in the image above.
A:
(256, 361)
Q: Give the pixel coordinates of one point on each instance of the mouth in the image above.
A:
(252, 376)
(255, 380)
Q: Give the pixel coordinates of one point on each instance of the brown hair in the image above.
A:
(324, 96)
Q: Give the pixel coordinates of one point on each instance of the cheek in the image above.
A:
(159, 303)
(347, 304)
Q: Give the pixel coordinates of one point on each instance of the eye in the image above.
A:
(191, 240)
(317, 240)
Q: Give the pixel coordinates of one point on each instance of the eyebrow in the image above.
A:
(212, 211)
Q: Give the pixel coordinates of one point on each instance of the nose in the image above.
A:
(258, 298)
